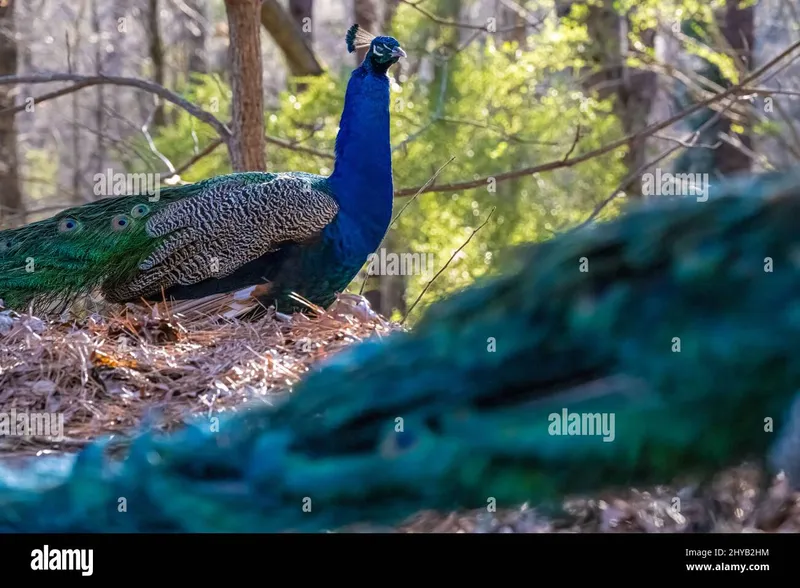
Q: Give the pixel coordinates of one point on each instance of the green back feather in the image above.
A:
(55, 260)
(474, 386)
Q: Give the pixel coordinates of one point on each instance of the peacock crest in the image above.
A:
(357, 38)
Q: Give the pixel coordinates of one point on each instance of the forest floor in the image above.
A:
(105, 373)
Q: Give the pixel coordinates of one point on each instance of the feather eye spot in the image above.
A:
(397, 443)
(6, 244)
(120, 222)
(68, 225)
(140, 210)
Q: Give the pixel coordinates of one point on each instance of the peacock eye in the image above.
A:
(120, 222)
(140, 210)
(67, 225)
(397, 443)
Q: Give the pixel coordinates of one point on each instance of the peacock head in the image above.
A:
(383, 51)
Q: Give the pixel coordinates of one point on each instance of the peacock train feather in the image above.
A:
(680, 320)
(296, 232)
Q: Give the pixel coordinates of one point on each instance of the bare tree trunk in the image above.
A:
(156, 56)
(195, 35)
(10, 195)
(115, 63)
(290, 38)
(511, 15)
(247, 146)
(73, 51)
(389, 10)
(365, 14)
(634, 90)
(393, 288)
(99, 114)
(738, 29)
(635, 97)
(25, 19)
(302, 13)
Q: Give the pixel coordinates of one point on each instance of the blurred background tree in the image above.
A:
(492, 90)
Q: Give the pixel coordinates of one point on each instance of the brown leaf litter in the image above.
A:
(105, 371)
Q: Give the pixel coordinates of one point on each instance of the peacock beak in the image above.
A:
(398, 52)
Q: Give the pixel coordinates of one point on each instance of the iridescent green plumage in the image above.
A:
(682, 320)
(87, 247)
(292, 233)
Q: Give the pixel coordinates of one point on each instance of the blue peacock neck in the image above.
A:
(362, 174)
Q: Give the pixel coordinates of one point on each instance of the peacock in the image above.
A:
(677, 324)
(290, 233)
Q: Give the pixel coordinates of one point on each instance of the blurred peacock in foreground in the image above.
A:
(296, 232)
(681, 319)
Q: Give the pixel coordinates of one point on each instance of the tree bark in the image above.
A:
(513, 17)
(114, 65)
(300, 11)
(290, 38)
(156, 50)
(389, 10)
(737, 26)
(633, 90)
(100, 107)
(365, 14)
(247, 146)
(79, 196)
(10, 195)
(195, 35)
(392, 288)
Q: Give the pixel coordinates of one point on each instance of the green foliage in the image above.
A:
(676, 336)
(38, 175)
(494, 107)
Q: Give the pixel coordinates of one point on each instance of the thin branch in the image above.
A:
(525, 14)
(194, 110)
(736, 144)
(688, 142)
(625, 183)
(444, 267)
(299, 148)
(150, 143)
(683, 142)
(125, 145)
(461, 25)
(410, 200)
(705, 87)
(654, 128)
(84, 81)
(771, 92)
(790, 124)
(193, 14)
(207, 151)
(44, 98)
(574, 142)
(429, 182)
(499, 130)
